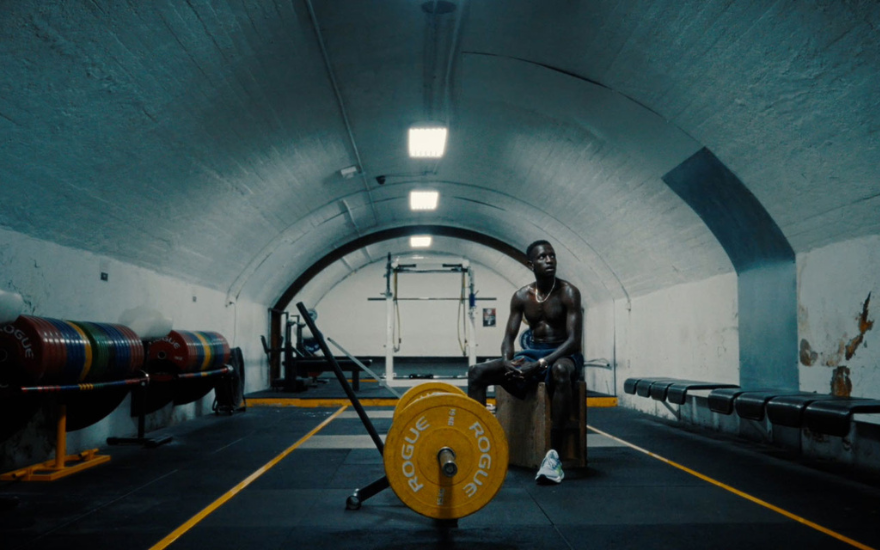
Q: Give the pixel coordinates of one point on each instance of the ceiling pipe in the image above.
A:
(332, 76)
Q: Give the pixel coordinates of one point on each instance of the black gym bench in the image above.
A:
(820, 413)
(673, 390)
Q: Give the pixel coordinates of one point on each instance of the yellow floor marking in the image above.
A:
(739, 493)
(374, 402)
(314, 403)
(193, 521)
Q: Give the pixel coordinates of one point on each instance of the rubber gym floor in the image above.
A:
(278, 477)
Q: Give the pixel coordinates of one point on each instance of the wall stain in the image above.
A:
(841, 385)
(864, 326)
(807, 355)
(834, 359)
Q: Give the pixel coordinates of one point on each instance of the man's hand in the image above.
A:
(511, 369)
(520, 369)
(528, 370)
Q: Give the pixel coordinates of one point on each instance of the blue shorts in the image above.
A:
(520, 389)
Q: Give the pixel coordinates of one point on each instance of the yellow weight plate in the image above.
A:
(422, 390)
(413, 445)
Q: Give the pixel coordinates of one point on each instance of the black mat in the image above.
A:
(624, 499)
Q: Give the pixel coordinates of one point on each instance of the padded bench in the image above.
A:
(834, 416)
(751, 405)
(788, 410)
(673, 390)
(721, 399)
(784, 409)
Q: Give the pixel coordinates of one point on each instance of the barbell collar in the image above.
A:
(446, 458)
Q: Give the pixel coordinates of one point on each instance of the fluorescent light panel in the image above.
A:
(423, 200)
(427, 142)
(420, 241)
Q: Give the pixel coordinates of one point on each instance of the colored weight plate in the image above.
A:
(110, 346)
(100, 352)
(222, 349)
(55, 350)
(22, 347)
(171, 349)
(206, 350)
(48, 348)
(75, 353)
(137, 348)
(125, 368)
(445, 421)
(216, 347)
(87, 350)
(188, 352)
(132, 345)
(198, 351)
(422, 390)
(120, 365)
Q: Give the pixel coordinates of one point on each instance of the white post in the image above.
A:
(389, 325)
(472, 325)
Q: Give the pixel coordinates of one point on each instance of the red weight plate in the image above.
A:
(54, 353)
(25, 348)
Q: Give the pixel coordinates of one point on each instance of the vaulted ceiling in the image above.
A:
(205, 140)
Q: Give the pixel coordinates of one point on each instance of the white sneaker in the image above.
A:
(551, 468)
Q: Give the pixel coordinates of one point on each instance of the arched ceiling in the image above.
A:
(205, 140)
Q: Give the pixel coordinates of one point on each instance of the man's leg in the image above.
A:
(561, 401)
(483, 375)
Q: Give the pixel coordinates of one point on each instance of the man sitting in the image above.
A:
(552, 309)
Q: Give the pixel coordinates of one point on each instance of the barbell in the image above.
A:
(445, 455)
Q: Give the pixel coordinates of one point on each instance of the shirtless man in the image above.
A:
(552, 309)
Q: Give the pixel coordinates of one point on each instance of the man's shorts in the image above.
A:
(521, 388)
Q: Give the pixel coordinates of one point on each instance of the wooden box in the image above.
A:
(527, 422)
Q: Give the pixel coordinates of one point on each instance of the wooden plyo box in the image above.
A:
(527, 422)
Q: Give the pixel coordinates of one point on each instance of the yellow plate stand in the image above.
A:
(63, 465)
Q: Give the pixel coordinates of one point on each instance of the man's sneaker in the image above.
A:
(551, 468)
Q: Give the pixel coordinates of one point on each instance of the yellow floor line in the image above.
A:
(193, 521)
(739, 493)
(374, 402)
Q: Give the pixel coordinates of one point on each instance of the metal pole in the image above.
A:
(328, 355)
(472, 312)
(389, 324)
(61, 438)
(363, 367)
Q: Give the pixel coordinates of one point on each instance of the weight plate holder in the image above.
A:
(445, 456)
(424, 390)
(441, 457)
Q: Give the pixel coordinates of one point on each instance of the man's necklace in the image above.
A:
(540, 301)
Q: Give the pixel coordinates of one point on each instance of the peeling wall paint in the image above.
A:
(839, 351)
(864, 326)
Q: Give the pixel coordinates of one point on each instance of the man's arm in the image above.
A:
(574, 322)
(511, 331)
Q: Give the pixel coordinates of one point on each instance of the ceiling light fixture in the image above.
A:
(420, 241)
(427, 141)
(423, 200)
